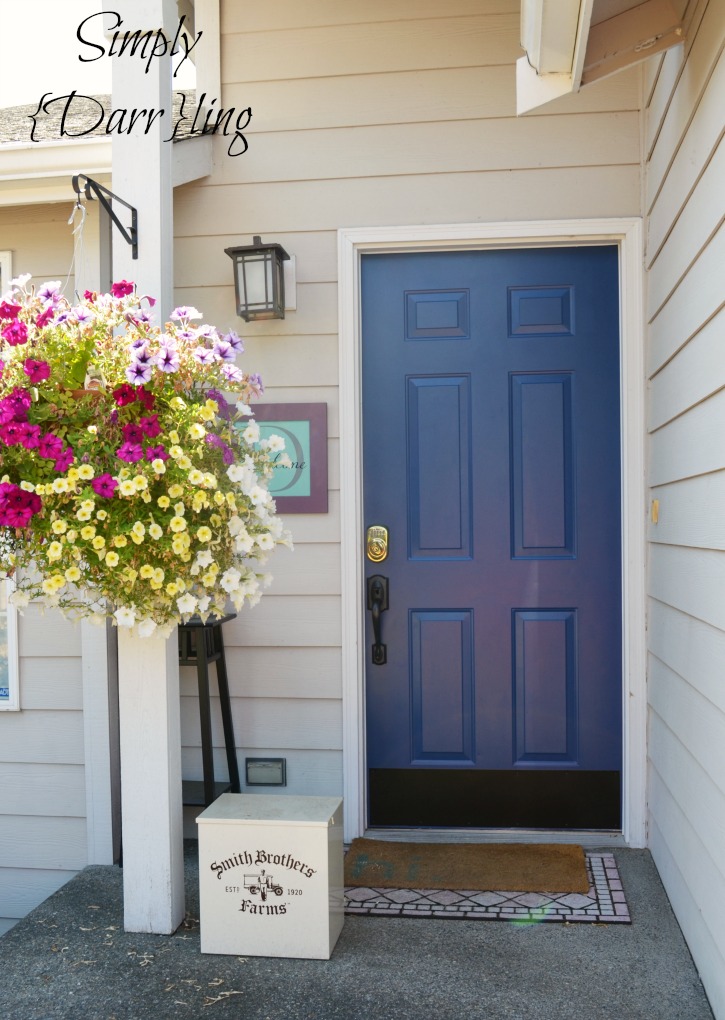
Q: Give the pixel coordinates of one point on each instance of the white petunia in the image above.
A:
(275, 443)
(230, 579)
(125, 617)
(146, 627)
(187, 603)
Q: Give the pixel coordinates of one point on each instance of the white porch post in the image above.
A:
(149, 710)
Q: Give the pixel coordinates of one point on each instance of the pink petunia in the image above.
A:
(64, 460)
(122, 288)
(36, 371)
(8, 310)
(45, 317)
(16, 333)
(125, 394)
(150, 426)
(133, 433)
(50, 446)
(156, 452)
(130, 452)
(104, 485)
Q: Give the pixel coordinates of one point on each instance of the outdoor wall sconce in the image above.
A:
(259, 279)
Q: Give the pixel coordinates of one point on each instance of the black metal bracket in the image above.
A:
(92, 189)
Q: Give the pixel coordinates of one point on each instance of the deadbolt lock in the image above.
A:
(377, 543)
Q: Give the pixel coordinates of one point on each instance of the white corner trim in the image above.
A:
(352, 242)
(12, 702)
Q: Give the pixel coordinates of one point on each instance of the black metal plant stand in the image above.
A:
(200, 644)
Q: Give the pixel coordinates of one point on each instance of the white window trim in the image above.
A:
(352, 243)
(12, 704)
(6, 270)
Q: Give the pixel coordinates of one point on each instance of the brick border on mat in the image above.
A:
(605, 903)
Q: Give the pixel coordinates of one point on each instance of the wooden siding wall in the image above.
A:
(40, 241)
(363, 114)
(684, 125)
(42, 782)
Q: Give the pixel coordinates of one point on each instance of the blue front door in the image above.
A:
(492, 457)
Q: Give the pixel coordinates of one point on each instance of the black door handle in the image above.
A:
(377, 604)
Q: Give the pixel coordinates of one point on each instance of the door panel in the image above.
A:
(491, 453)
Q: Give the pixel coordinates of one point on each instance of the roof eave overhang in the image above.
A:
(564, 51)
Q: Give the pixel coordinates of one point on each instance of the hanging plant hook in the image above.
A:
(92, 189)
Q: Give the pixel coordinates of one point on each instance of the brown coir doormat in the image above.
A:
(514, 867)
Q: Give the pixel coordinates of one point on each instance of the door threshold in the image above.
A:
(588, 838)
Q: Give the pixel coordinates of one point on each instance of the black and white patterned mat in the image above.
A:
(604, 903)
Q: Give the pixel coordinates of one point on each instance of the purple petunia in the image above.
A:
(156, 452)
(138, 373)
(224, 350)
(232, 373)
(203, 355)
(235, 340)
(49, 293)
(168, 358)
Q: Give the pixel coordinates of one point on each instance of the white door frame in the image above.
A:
(352, 243)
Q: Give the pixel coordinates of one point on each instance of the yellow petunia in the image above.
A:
(164, 502)
(204, 534)
(127, 487)
(88, 532)
(112, 558)
(59, 527)
(98, 542)
(176, 491)
(86, 472)
(120, 541)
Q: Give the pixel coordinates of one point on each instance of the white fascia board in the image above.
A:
(192, 159)
(554, 34)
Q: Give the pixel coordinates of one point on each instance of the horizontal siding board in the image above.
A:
(48, 843)
(696, 300)
(691, 580)
(690, 648)
(700, 730)
(309, 570)
(702, 800)
(41, 736)
(42, 789)
(288, 621)
(434, 95)
(332, 50)
(47, 634)
(691, 444)
(702, 217)
(51, 683)
(23, 889)
(697, 148)
(316, 527)
(310, 773)
(696, 372)
(202, 262)
(328, 395)
(688, 88)
(261, 722)
(275, 673)
(316, 313)
(428, 198)
(290, 14)
(691, 513)
(441, 147)
(675, 867)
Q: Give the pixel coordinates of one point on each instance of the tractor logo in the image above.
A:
(262, 884)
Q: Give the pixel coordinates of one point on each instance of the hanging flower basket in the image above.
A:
(133, 479)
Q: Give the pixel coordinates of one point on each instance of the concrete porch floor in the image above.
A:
(71, 960)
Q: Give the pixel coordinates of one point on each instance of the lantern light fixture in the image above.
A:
(259, 279)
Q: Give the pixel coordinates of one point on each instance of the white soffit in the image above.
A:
(570, 43)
